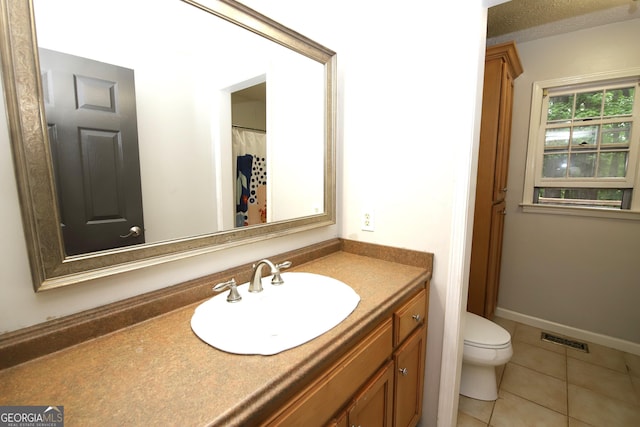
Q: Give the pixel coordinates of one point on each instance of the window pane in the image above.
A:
(582, 165)
(585, 136)
(554, 165)
(554, 138)
(586, 197)
(610, 194)
(612, 164)
(588, 104)
(580, 193)
(619, 101)
(560, 108)
(616, 133)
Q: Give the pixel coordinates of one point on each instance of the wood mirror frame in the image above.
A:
(50, 267)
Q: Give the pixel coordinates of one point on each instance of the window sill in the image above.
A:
(580, 211)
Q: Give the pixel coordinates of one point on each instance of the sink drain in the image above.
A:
(577, 345)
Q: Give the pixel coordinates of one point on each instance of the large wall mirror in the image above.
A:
(147, 131)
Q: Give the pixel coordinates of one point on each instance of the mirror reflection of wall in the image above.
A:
(184, 123)
(249, 154)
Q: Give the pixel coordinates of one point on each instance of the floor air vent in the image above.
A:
(577, 345)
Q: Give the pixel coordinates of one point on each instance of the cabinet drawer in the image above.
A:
(321, 400)
(410, 316)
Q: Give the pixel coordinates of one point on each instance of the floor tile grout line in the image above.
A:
(533, 401)
(493, 406)
(637, 401)
(596, 364)
(537, 404)
(566, 383)
(620, 401)
(538, 372)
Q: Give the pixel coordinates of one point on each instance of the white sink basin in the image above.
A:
(279, 318)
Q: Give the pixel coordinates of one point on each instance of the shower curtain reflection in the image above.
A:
(249, 150)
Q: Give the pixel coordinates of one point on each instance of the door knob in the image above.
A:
(134, 231)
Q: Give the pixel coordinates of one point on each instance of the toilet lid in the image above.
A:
(481, 332)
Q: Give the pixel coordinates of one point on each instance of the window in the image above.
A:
(584, 145)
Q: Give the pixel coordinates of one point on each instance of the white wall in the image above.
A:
(173, 129)
(407, 143)
(406, 147)
(575, 271)
(177, 90)
(295, 139)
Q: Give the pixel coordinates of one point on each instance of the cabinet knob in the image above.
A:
(504, 190)
(416, 317)
(403, 371)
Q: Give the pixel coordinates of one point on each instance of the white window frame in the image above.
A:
(535, 149)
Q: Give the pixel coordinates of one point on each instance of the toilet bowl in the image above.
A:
(486, 345)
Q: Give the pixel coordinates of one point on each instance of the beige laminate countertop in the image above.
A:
(159, 373)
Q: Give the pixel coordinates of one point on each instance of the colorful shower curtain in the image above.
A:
(250, 152)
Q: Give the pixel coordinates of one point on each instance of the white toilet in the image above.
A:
(486, 345)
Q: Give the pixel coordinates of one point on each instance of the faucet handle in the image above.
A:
(276, 279)
(233, 296)
(283, 265)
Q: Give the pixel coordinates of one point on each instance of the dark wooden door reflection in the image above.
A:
(91, 116)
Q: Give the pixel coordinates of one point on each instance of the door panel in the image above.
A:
(504, 135)
(91, 115)
(495, 258)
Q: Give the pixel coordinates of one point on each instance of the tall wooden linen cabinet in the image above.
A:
(502, 66)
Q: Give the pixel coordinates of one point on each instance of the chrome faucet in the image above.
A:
(256, 278)
(233, 296)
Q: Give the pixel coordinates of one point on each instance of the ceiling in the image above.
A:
(523, 20)
(256, 92)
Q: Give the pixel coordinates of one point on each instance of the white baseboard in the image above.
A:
(569, 331)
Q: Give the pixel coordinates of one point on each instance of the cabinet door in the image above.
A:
(409, 380)
(341, 421)
(373, 407)
(495, 257)
(504, 134)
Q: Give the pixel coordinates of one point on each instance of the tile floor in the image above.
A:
(551, 385)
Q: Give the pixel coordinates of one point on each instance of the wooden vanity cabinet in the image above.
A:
(393, 397)
(378, 383)
(326, 395)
